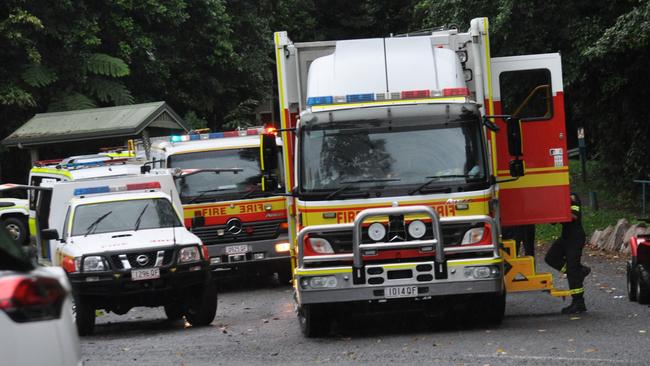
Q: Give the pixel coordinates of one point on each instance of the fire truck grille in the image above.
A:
(250, 231)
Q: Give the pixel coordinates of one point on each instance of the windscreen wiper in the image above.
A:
(349, 184)
(434, 178)
(203, 193)
(139, 219)
(94, 224)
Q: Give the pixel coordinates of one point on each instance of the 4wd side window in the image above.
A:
(527, 94)
(66, 233)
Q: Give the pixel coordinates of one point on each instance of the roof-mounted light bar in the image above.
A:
(110, 189)
(403, 95)
(217, 135)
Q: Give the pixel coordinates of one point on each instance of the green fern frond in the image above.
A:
(110, 91)
(102, 64)
(38, 75)
(12, 95)
(71, 102)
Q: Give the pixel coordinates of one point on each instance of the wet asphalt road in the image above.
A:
(256, 324)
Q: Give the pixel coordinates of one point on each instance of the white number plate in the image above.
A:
(236, 249)
(401, 291)
(145, 274)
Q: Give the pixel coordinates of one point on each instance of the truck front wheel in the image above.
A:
(16, 229)
(202, 311)
(494, 308)
(313, 320)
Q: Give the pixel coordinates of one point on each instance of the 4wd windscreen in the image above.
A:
(127, 215)
(207, 185)
(407, 153)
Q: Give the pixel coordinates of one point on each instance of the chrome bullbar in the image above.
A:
(440, 263)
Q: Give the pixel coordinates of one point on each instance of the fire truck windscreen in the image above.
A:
(396, 155)
(208, 185)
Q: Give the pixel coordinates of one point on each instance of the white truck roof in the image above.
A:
(381, 65)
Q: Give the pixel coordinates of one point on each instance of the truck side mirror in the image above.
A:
(514, 136)
(268, 161)
(49, 234)
(517, 168)
(269, 152)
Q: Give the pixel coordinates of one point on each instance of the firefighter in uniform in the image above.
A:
(564, 255)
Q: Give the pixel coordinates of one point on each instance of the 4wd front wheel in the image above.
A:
(631, 282)
(173, 311)
(313, 320)
(203, 310)
(642, 284)
(84, 316)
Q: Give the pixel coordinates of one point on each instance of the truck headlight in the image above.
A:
(376, 231)
(94, 263)
(417, 229)
(473, 236)
(320, 245)
(189, 254)
(319, 282)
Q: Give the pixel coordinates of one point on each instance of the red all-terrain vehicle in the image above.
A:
(638, 270)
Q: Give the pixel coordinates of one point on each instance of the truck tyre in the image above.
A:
(16, 229)
(284, 276)
(642, 285)
(203, 310)
(494, 308)
(313, 320)
(173, 311)
(84, 316)
(631, 282)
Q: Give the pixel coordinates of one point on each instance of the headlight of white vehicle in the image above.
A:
(473, 236)
(189, 254)
(321, 246)
(94, 263)
(376, 231)
(417, 229)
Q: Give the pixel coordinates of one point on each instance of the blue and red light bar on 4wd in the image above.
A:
(109, 189)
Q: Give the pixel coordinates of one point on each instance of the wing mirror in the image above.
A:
(49, 234)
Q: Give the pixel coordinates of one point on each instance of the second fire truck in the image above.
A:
(228, 197)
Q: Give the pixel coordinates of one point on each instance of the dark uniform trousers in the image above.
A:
(565, 253)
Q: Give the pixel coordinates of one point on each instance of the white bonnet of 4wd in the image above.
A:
(384, 65)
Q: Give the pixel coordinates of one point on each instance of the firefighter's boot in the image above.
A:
(577, 305)
(585, 271)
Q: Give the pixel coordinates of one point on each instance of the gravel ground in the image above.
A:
(256, 324)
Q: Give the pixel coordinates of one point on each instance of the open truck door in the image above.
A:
(530, 89)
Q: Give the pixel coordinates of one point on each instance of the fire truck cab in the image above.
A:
(410, 154)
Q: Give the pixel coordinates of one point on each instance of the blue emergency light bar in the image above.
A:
(218, 135)
(370, 97)
(91, 190)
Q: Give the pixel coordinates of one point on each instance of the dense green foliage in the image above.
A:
(212, 60)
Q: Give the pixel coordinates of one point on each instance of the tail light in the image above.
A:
(28, 299)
